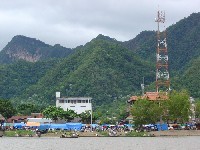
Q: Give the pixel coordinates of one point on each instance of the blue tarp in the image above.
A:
(129, 125)
(95, 125)
(58, 126)
(19, 125)
(66, 126)
(74, 126)
(44, 126)
(162, 127)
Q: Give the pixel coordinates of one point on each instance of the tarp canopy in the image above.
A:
(74, 126)
(32, 124)
(93, 125)
(44, 126)
(162, 126)
(19, 125)
(58, 126)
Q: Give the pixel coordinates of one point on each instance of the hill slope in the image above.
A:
(31, 50)
(182, 40)
(106, 69)
(101, 69)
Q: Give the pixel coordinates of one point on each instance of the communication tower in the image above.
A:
(162, 72)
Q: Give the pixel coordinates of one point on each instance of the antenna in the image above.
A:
(162, 73)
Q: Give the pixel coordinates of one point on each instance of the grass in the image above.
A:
(137, 134)
(18, 133)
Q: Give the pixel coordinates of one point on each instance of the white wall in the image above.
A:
(74, 105)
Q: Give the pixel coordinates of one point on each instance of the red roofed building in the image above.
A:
(152, 96)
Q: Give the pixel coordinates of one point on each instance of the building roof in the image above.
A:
(41, 120)
(17, 118)
(74, 98)
(152, 96)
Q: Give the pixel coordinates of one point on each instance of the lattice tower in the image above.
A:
(162, 72)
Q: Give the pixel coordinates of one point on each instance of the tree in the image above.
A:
(146, 112)
(6, 109)
(53, 112)
(69, 115)
(178, 106)
(197, 109)
(56, 113)
(27, 109)
(86, 117)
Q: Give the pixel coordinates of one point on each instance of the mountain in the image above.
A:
(101, 69)
(16, 77)
(182, 40)
(104, 68)
(31, 50)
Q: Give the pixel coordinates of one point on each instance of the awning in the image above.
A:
(33, 124)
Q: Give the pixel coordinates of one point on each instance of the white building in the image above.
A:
(78, 104)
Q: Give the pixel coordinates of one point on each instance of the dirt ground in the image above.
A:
(176, 133)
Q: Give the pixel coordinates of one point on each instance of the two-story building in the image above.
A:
(78, 104)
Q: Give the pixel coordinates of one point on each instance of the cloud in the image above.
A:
(74, 22)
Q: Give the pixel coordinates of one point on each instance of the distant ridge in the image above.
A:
(31, 50)
(103, 68)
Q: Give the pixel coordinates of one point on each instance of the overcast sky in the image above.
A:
(74, 22)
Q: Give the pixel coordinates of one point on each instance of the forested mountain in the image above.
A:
(32, 50)
(182, 38)
(104, 68)
(101, 69)
(16, 77)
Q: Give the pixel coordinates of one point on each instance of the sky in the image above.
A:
(71, 23)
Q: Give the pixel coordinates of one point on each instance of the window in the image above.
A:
(86, 101)
(72, 106)
(61, 101)
(83, 106)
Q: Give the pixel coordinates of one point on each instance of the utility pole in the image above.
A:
(91, 117)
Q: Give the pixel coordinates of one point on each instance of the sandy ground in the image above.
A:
(176, 133)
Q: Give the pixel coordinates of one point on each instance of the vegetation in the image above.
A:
(176, 109)
(86, 117)
(105, 69)
(137, 134)
(56, 113)
(31, 49)
(6, 109)
(178, 106)
(197, 109)
(27, 109)
(13, 133)
(146, 112)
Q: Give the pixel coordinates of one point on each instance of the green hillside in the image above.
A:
(104, 68)
(182, 39)
(31, 49)
(101, 69)
(191, 78)
(15, 78)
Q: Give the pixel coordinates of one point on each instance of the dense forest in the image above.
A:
(105, 69)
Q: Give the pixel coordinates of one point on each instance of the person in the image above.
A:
(38, 133)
